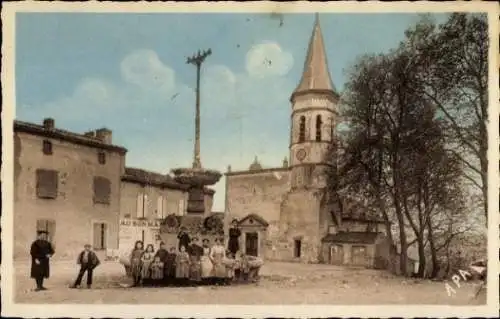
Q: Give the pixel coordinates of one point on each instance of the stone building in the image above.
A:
(67, 184)
(148, 198)
(288, 212)
(77, 187)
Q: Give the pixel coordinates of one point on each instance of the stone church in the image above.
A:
(288, 213)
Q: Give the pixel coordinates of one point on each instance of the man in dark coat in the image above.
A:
(234, 237)
(184, 239)
(41, 251)
(88, 261)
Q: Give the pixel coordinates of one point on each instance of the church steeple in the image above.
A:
(315, 76)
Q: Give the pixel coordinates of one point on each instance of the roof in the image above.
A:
(352, 237)
(258, 218)
(63, 135)
(141, 176)
(315, 76)
(264, 170)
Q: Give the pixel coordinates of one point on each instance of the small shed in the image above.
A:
(367, 249)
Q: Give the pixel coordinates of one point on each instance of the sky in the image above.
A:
(127, 72)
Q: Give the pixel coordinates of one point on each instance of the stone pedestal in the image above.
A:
(197, 179)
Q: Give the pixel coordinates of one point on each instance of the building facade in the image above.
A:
(297, 217)
(67, 184)
(77, 187)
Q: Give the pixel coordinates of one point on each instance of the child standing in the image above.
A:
(182, 263)
(136, 263)
(230, 263)
(169, 266)
(147, 259)
(157, 270)
(88, 261)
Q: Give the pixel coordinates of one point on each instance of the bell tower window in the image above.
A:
(302, 129)
(319, 123)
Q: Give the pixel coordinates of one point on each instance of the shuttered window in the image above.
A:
(47, 183)
(47, 147)
(102, 190)
(48, 225)
(140, 205)
(181, 208)
(160, 213)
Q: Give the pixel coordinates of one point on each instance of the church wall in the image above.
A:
(258, 193)
(299, 222)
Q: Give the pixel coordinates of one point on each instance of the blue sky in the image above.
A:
(128, 72)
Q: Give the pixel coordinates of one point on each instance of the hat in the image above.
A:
(235, 220)
(87, 245)
(39, 232)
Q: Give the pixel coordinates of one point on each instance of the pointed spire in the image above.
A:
(316, 75)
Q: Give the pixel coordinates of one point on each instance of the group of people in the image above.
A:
(189, 264)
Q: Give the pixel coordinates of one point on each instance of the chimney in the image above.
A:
(48, 124)
(104, 135)
(229, 168)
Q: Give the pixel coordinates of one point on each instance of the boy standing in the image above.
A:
(88, 261)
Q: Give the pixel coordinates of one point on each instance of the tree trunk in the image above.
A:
(432, 245)
(421, 256)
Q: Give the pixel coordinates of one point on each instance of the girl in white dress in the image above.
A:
(206, 263)
(218, 255)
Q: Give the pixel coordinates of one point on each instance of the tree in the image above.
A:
(454, 79)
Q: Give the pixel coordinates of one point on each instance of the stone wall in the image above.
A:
(259, 192)
(74, 210)
(300, 220)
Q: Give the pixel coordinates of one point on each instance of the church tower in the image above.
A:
(314, 115)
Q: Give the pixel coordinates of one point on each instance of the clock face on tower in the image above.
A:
(301, 154)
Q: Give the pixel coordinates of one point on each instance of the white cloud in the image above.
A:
(144, 69)
(268, 59)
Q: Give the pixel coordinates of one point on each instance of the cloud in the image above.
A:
(268, 59)
(144, 69)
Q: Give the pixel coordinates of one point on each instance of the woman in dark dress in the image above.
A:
(234, 237)
(184, 239)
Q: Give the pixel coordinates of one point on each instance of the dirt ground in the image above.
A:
(280, 283)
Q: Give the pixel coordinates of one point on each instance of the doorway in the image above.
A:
(252, 244)
(337, 254)
(297, 248)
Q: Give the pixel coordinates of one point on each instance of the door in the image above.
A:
(252, 244)
(359, 255)
(337, 254)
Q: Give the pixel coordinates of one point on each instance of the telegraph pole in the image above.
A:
(198, 60)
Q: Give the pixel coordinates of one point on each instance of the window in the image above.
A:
(319, 124)
(48, 225)
(100, 236)
(142, 205)
(302, 129)
(47, 147)
(47, 183)
(102, 190)
(297, 248)
(181, 207)
(160, 207)
(101, 158)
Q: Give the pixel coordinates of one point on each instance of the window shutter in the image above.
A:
(102, 190)
(146, 204)
(140, 198)
(97, 236)
(51, 228)
(159, 206)
(164, 207)
(181, 207)
(46, 183)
